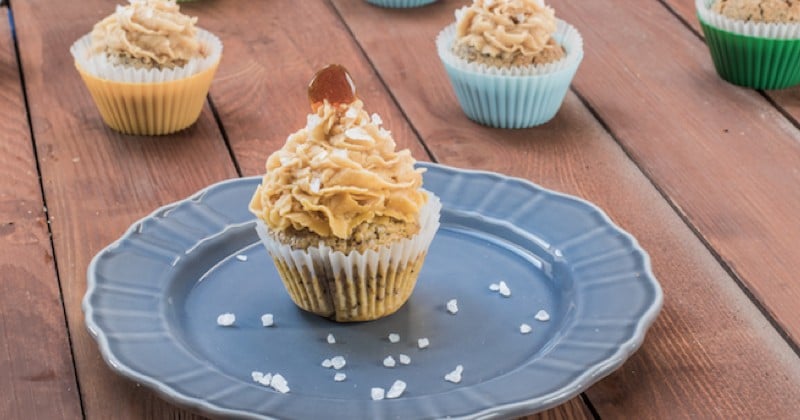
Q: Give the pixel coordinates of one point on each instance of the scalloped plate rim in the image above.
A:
(580, 383)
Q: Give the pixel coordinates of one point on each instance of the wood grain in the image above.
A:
(573, 409)
(271, 53)
(787, 100)
(38, 379)
(710, 353)
(685, 9)
(262, 99)
(98, 182)
(723, 155)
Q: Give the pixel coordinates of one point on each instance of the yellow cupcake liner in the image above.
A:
(150, 108)
(148, 101)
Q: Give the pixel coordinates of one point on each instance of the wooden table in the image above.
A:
(706, 175)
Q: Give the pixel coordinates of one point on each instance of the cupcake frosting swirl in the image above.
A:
(505, 28)
(149, 32)
(338, 172)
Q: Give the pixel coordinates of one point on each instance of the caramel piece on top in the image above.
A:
(332, 83)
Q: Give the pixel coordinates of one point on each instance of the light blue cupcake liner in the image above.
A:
(400, 4)
(517, 97)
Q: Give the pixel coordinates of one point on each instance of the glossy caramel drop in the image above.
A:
(332, 83)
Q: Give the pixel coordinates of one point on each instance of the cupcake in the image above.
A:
(343, 214)
(400, 4)
(148, 67)
(510, 61)
(753, 43)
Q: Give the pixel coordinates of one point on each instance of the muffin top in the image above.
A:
(148, 34)
(767, 11)
(505, 33)
(338, 177)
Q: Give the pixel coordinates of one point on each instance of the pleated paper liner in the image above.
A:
(515, 97)
(400, 4)
(148, 101)
(751, 54)
(355, 286)
(149, 108)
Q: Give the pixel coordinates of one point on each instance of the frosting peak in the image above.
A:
(509, 31)
(148, 33)
(338, 172)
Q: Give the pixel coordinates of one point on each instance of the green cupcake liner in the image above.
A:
(759, 63)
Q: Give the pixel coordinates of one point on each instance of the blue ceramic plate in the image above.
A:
(154, 296)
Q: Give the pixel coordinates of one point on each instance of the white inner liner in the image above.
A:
(99, 66)
(566, 35)
(755, 29)
(391, 255)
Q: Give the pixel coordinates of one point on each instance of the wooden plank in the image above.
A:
(262, 99)
(723, 155)
(710, 353)
(787, 100)
(38, 379)
(98, 182)
(270, 55)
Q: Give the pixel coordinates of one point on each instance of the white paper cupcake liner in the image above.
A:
(99, 66)
(517, 96)
(355, 286)
(754, 29)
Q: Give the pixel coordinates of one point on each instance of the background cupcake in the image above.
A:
(510, 61)
(400, 4)
(342, 213)
(148, 67)
(753, 43)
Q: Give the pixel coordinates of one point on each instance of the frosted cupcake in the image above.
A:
(510, 61)
(343, 214)
(753, 43)
(148, 67)
(400, 4)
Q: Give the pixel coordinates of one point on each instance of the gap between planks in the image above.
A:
(722, 262)
(651, 180)
(584, 398)
(693, 228)
(753, 290)
(414, 130)
(224, 135)
(10, 15)
(20, 73)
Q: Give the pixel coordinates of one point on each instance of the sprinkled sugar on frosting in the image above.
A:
(507, 33)
(337, 173)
